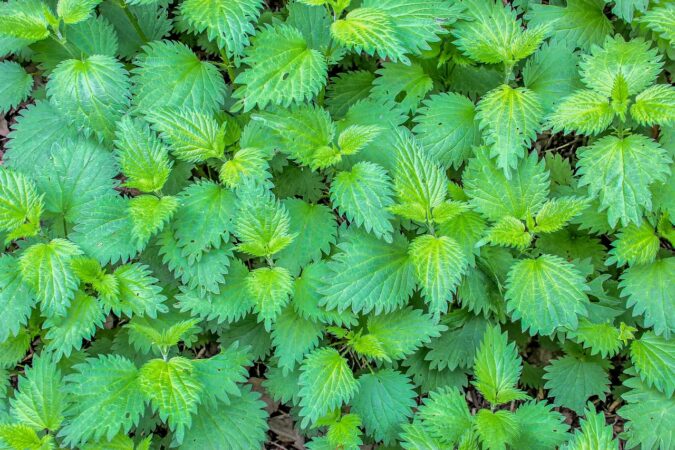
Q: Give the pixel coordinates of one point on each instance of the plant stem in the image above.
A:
(228, 66)
(134, 21)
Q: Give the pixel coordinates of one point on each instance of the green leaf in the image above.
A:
(572, 380)
(282, 69)
(619, 172)
(74, 11)
(24, 19)
(554, 214)
(594, 433)
(75, 176)
(384, 402)
(46, 268)
(649, 291)
(80, 321)
(293, 337)
(245, 163)
(398, 79)
(21, 437)
(634, 245)
(173, 389)
(420, 184)
(241, 425)
(221, 375)
(93, 93)
(510, 120)
(497, 368)
(552, 72)
(445, 416)
(584, 111)
(581, 22)
(169, 74)
(16, 84)
(269, 288)
(347, 88)
(650, 416)
(654, 360)
(496, 429)
(660, 19)
(40, 399)
(447, 128)
(143, 158)
(204, 218)
(439, 264)
(655, 105)
(369, 274)
(229, 23)
(16, 298)
(106, 398)
(138, 292)
(509, 232)
(494, 34)
(145, 333)
(603, 338)
(192, 136)
(20, 205)
(363, 195)
(456, 347)
(546, 293)
(540, 427)
(315, 229)
(149, 214)
(494, 195)
(401, 332)
(633, 60)
(14, 348)
(326, 382)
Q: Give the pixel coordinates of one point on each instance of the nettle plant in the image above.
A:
(426, 224)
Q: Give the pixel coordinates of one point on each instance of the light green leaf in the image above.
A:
(496, 429)
(439, 265)
(555, 213)
(46, 268)
(139, 293)
(397, 79)
(510, 120)
(594, 433)
(509, 232)
(24, 19)
(326, 382)
(20, 205)
(447, 128)
(93, 93)
(654, 360)
(584, 111)
(293, 337)
(149, 214)
(603, 338)
(282, 69)
(229, 23)
(619, 171)
(363, 195)
(16, 298)
(634, 245)
(546, 293)
(369, 274)
(74, 11)
(269, 288)
(15, 84)
(40, 399)
(540, 427)
(654, 105)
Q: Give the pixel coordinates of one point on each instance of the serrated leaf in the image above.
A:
(106, 398)
(262, 225)
(142, 157)
(497, 368)
(445, 416)
(169, 74)
(494, 195)
(654, 105)
(654, 360)
(397, 79)
(363, 194)
(447, 128)
(555, 213)
(74, 11)
(40, 399)
(93, 93)
(439, 264)
(602, 338)
(24, 19)
(572, 380)
(282, 69)
(269, 287)
(369, 274)
(138, 292)
(496, 429)
(16, 298)
(584, 111)
(46, 268)
(540, 427)
(149, 214)
(293, 337)
(594, 433)
(607, 165)
(509, 120)
(15, 84)
(246, 163)
(634, 245)
(192, 136)
(173, 389)
(509, 232)
(326, 382)
(20, 205)
(229, 23)
(649, 291)
(546, 293)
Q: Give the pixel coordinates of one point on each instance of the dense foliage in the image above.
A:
(424, 224)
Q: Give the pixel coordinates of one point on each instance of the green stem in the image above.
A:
(228, 66)
(65, 227)
(63, 43)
